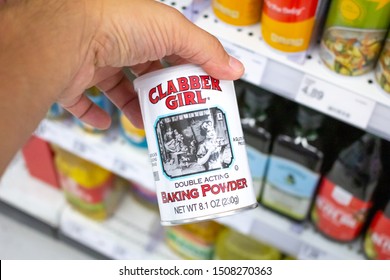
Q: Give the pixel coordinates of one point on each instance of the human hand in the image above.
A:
(135, 34)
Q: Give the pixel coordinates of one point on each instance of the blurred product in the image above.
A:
(144, 195)
(240, 13)
(232, 245)
(102, 101)
(39, 159)
(346, 192)
(56, 112)
(255, 105)
(132, 134)
(287, 25)
(294, 166)
(89, 188)
(377, 238)
(382, 70)
(353, 35)
(194, 241)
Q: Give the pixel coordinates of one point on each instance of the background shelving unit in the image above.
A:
(296, 239)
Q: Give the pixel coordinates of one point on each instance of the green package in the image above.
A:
(354, 34)
(382, 70)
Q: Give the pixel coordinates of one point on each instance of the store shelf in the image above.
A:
(109, 150)
(296, 239)
(20, 241)
(29, 195)
(358, 101)
(134, 232)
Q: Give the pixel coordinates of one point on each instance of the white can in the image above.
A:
(196, 145)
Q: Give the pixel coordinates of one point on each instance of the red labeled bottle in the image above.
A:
(376, 244)
(346, 192)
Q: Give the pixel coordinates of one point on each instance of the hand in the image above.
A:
(138, 34)
(53, 50)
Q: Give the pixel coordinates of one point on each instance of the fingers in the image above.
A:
(121, 92)
(147, 67)
(88, 112)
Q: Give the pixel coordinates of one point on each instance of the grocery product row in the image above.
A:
(194, 241)
(357, 100)
(305, 166)
(122, 228)
(313, 167)
(351, 39)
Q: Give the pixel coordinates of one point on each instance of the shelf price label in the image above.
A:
(124, 168)
(132, 171)
(335, 101)
(254, 63)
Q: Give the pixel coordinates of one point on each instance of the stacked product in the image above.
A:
(194, 241)
(89, 188)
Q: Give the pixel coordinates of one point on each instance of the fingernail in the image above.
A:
(235, 64)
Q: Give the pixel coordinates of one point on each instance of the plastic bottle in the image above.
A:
(255, 107)
(376, 244)
(345, 194)
(294, 166)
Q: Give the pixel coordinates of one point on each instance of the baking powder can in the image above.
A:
(196, 145)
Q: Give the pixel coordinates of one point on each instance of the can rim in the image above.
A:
(164, 71)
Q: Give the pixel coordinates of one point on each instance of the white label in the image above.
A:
(335, 101)
(341, 196)
(255, 64)
(97, 240)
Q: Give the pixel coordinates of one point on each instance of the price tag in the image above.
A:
(254, 63)
(308, 252)
(335, 101)
(79, 147)
(126, 169)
